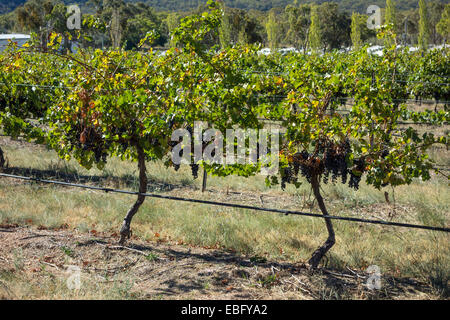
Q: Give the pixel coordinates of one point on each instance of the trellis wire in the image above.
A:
(231, 205)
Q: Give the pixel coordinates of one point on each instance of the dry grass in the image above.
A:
(400, 253)
(37, 264)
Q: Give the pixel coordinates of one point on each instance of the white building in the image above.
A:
(20, 39)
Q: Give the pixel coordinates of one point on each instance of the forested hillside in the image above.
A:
(9, 5)
(288, 26)
(346, 5)
(184, 5)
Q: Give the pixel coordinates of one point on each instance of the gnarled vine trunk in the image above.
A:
(205, 177)
(2, 159)
(322, 250)
(125, 231)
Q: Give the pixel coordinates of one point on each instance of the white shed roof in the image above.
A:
(16, 36)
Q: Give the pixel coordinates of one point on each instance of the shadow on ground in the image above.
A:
(223, 271)
(128, 181)
(162, 270)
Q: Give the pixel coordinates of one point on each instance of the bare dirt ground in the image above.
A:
(34, 264)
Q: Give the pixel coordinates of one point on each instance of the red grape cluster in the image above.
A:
(329, 159)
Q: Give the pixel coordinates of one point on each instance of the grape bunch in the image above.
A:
(359, 166)
(194, 170)
(290, 173)
(329, 159)
(335, 160)
(287, 176)
(88, 139)
(194, 166)
(305, 159)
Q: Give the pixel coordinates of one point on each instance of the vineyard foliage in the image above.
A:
(96, 104)
(28, 87)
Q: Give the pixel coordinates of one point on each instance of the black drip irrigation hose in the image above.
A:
(231, 205)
